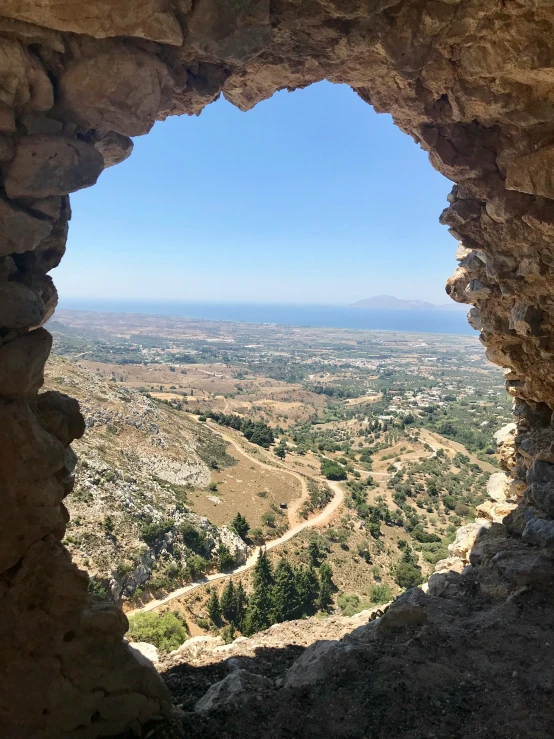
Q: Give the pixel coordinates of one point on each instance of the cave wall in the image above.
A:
(470, 80)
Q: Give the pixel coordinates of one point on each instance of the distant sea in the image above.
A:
(317, 316)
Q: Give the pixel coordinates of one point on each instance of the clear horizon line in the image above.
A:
(218, 301)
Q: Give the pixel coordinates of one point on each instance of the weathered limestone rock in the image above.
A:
(230, 32)
(25, 83)
(532, 173)
(114, 148)
(51, 165)
(120, 87)
(498, 487)
(22, 364)
(20, 231)
(230, 689)
(316, 663)
(466, 536)
(407, 610)
(237, 547)
(495, 512)
(148, 651)
(539, 532)
(149, 19)
(20, 307)
(60, 416)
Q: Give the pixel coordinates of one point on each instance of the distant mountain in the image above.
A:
(389, 302)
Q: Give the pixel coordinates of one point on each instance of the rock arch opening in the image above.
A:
(470, 81)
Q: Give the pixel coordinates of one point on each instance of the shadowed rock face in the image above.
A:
(469, 80)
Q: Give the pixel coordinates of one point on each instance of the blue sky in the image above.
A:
(310, 198)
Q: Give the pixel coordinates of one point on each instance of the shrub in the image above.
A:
(196, 566)
(99, 587)
(192, 537)
(332, 470)
(380, 593)
(408, 576)
(350, 604)
(108, 524)
(166, 632)
(151, 532)
(256, 535)
(268, 519)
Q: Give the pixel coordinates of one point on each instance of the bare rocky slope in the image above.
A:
(137, 461)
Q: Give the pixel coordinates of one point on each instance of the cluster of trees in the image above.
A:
(319, 494)
(257, 432)
(338, 391)
(333, 470)
(456, 423)
(281, 594)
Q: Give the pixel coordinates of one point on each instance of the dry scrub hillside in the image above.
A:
(217, 387)
(131, 525)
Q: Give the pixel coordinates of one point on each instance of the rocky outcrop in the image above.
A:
(469, 81)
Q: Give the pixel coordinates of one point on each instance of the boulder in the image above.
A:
(193, 649)
(114, 148)
(407, 610)
(149, 19)
(120, 88)
(51, 165)
(540, 532)
(466, 537)
(19, 230)
(236, 546)
(317, 662)
(60, 416)
(450, 564)
(20, 307)
(495, 512)
(25, 83)
(498, 487)
(443, 584)
(239, 685)
(505, 434)
(148, 651)
(22, 363)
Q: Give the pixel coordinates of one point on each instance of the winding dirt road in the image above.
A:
(296, 527)
(294, 507)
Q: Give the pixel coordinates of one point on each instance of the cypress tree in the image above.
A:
(240, 526)
(325, 597)
(228, 602)
(286, 600)
(258, 614)
(313, 554)
(241, 601)
(214, 608)
(308, 588)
